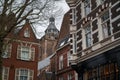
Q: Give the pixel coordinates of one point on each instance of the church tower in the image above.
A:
(49, 40)
(51, 32)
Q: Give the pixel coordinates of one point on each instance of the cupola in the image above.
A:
(51, 32)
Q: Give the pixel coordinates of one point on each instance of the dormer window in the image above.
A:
(26, 33)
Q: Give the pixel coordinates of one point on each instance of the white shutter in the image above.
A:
(9, 50)
(32, 54)
(18, 52)
(17, 74)
(31, 74)
(5, 73)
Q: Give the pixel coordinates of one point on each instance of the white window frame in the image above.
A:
(25, 51)
(68, 58)
(26, 32)
(31, 53)
(86, 9)
(5, 76)
(70, 76)
(105, 32)
(61, 78)
(74, 43)
(87, 33)
(30, 74)
(61, 62)
(7, 51)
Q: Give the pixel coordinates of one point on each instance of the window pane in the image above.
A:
(23, 78)
(105, 16)
(27, 33)
(74, 43)
(61, 62)
(105, 22)
(25, 53)
(5, 73)
(102, 1)
(88, 36)
(23, 74)
(69, 76)
(87, 7)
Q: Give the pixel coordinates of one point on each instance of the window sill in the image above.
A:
(26, 60)
(88, 48)
(105, 39)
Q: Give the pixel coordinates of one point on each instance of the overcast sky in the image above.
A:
(58, 19)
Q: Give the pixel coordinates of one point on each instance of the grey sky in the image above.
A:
(58, 19)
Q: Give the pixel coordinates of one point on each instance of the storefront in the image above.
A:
(105, 66)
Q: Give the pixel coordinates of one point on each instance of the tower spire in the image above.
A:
(51, 32)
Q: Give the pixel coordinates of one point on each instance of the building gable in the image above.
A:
(26, 33)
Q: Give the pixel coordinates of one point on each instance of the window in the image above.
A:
(99, 2)
(61, 78)
(62, 43)
(7, 51)
(88, 36)
(24, 74)
(61, 62)
(70, 76)
(87, 7)
(102, 1)
(73, 16)
(74, 43)
(26, 53)
(103, 72)
(26, 33)
(5, 73)
(68, 57)
(105, 23)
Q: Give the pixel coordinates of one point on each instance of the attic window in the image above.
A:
(62, 43)
(26, 33)
(69, 40)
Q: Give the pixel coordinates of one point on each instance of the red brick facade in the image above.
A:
(60, 60)
(17, 61)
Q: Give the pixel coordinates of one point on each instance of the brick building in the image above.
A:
(48, 45)
(60, 60)
(95, 39)
(20, 56)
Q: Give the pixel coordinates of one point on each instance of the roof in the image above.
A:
(63, 41)
(44, 63)
(51, 26)
(64, 31)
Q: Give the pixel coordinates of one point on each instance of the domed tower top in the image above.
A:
(51, 19)
(51, 32)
